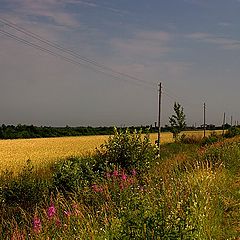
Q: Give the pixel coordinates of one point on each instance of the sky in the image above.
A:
(124, 49)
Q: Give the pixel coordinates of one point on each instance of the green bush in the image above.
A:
(193, 139)
(212, 138)
(232, 132)
(74, 173)
(24, 190)
(126, 151)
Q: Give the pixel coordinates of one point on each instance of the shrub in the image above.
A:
(74, 173)
(212, 138)
(24, 190)
(193, 139)
(126, 151)
(232, 132)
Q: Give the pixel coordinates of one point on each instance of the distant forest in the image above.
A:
(30, 131)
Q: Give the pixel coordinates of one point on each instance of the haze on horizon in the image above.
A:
(191, 46)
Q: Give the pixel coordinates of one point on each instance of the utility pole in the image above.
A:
(204, 120)
(231, 120)
(159, 114)
(224, 119)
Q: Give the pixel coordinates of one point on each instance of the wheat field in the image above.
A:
(42, 151)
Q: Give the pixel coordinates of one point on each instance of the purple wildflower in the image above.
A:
(51, 211)
(124, 176)
(134, 172)
(115, 173)
(96, 188)
(37, 225)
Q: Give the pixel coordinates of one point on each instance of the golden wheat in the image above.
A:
(41, 151)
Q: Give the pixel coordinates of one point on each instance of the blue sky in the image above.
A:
(191, 46)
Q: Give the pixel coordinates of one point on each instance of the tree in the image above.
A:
(177, 120)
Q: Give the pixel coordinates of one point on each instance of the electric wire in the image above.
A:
(86, 61)
(67, 59)
(71, 52)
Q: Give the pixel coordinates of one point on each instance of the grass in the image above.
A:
(45, 151)
(190, 193)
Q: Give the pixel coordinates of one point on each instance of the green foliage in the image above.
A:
(212, 138)
(177, 121)
(227, 154)
(25, 131)
(126, 151)
(74, 174)
(24, 190)
(232, 132)
(193, 139)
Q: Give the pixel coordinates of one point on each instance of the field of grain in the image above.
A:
(41, 151)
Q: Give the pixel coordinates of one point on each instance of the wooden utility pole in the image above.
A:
(204, 120)
(231, 120)
(224, 119)
(159, 114)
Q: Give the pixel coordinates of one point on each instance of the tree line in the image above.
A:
(177, 123)
(31, 131)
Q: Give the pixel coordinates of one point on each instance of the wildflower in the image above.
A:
(58, 222)
(121, 186)
(115, 173)
(96, 188)
(67, 213)
(124, 176)
(37, 225)
(51, 211)
(134, 172)
(108, 175)
(130, 181)
(76, 210)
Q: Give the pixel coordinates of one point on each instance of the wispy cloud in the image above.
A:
(51, 12)
(94, 4)
(222, 42)
(224, 24)
(147, 44)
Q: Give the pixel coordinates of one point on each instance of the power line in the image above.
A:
(67, 59)
(71, 52)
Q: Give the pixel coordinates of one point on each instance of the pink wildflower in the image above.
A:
(37, 225)
(96, 188)
(76, 210)
(130, 181)
(124, 176)
(108, 175)
(115, 173)
(67, 213)
(121, 186)
(51, 211)
(58, 223)
(134, 172)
